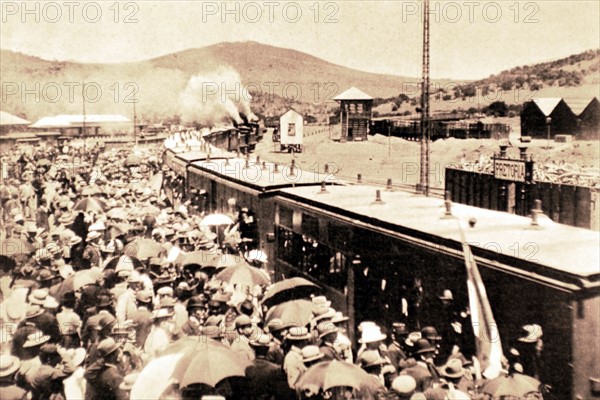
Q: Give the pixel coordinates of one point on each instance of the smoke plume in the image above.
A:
(216, 98)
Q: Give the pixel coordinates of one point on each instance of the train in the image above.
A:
(442, 127)
(240, 137)
(369, 247)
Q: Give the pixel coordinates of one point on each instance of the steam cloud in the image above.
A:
(216, 98)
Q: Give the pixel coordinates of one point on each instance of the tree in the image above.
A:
(498, 108)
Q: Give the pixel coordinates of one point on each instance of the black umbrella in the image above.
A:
(290, 289)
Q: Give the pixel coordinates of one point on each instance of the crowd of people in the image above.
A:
(101, 277)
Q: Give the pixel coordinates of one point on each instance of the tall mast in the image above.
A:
(425, 121)
(83, 103)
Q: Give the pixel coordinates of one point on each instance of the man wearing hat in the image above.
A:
(104, 377)
(160, 335)
(240, 341)
(530, 346)
(126, 303)
(197, 314)
(327, 338)
(266, 379)
(372, 363)
(102, 308)
(424, 371)
(103, 329)
(91, 253)
(343, 345)
(142, 317)
(294, 341)
(30, 361)
(372, 339)
(47, 380)
(44, 320)
(9, 365)
(396, 352)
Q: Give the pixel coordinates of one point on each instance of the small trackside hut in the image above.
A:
(355, 114)
(291, 132)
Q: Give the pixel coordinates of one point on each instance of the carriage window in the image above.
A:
(286, 216)
(310, 225)
(312, 258)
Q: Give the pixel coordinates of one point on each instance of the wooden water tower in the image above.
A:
(355, 114)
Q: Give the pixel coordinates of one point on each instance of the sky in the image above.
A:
(469, 39)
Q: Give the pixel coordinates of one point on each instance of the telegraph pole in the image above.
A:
(425, 120)
(134, 125)
(83, 102)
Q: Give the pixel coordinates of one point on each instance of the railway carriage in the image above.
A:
(370, 254)
(252, 184)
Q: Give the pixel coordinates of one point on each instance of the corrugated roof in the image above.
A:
(547, 104)
(67, 121)
(578, 105)
(9, 119)
(423, 214)
(353, 94)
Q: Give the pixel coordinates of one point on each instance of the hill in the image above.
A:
(274, 76)
(576, 76)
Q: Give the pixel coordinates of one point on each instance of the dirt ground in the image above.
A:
(381, 158)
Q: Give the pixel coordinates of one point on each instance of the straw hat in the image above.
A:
(93, 235)
(38, 297)
(453, 369)
(370, 358)
(36, 339)
(51, 303)
(8, 365)
(326, 328)
(311, 353)
(371, 334)
(404, 385)
(298, 333)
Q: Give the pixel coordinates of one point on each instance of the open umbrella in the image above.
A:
(216, 219)
(117, 213)
(243, 275)
(146, 210)
(125, 263)
(289, 289)
(292, 313)
(144, 248)
(151, 383)
(229, 260)
(511, 385)
(85, 277)
(90, 190)
(115, 230)
(330, 374)
(15, 247)
(209, 363)
(133, 160)
(205, 259)
(89, 204)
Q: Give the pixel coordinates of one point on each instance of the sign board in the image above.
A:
(511, 170)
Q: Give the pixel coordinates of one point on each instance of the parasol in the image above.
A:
(289, 289)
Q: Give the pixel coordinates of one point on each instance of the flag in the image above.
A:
(487, 336)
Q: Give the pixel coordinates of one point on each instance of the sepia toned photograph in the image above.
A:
(300, 200)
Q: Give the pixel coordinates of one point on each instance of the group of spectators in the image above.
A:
(101, 276)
